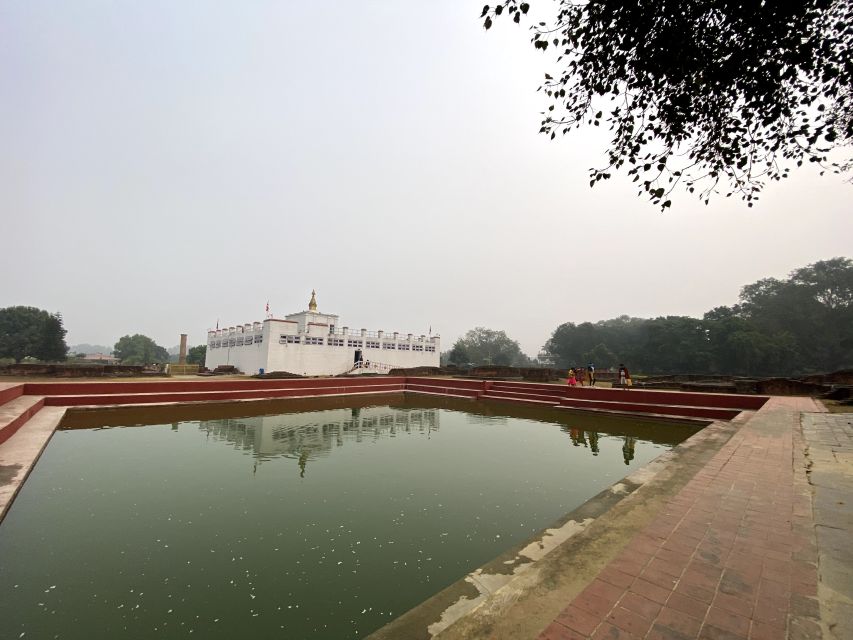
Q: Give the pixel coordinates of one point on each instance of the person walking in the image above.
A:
(590, 374)
(572, 381)
(624, 376)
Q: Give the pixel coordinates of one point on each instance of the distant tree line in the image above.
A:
(801, 324)
(28, 332)
(36, 334)
(140, 349)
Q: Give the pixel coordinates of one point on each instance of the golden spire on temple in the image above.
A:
(312, 306)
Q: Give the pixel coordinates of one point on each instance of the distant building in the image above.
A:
(315, 344)
(102, 358)
(545, 359)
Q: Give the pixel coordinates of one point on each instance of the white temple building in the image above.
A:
(311, 343)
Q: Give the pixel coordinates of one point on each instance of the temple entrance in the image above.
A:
(357, 358)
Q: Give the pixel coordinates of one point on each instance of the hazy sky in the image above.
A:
(165, 164)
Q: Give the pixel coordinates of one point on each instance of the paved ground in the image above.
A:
(734, 554)
(829, 438)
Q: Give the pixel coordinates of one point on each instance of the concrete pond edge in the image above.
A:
(22, 451)
(520, 592)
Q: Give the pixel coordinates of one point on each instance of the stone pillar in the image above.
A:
(182, 354)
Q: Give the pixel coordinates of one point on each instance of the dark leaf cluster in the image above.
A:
(28, 332)
(718, 96)
(197, 354)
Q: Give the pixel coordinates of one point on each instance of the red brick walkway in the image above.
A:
(732, 556)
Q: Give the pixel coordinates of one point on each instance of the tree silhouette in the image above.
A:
(714, 95)
(28, 332)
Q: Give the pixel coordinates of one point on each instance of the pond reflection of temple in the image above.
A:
(308, 436)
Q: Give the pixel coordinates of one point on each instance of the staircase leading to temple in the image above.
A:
(369, 366)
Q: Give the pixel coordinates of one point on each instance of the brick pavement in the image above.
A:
(829, 437)
(731, 556)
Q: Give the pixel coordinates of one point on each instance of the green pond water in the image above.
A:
(326, 523)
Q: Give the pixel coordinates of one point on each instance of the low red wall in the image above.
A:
(10, 393)
(682, 398)
(166, 386)
(714, 413)
(452, 391)
(532, 387)
(9, 430)
(708, 405)
(222, 395)
(449, 383)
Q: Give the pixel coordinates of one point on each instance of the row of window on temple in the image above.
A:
(235, 342)
(332, 342)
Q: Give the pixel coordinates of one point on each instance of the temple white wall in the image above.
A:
(313, 344)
